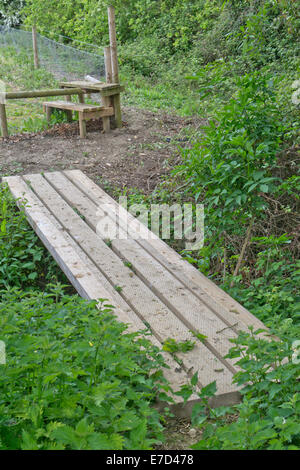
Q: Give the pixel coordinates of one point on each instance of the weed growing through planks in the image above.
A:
(118, 288)
(199, 336)
(172, 346)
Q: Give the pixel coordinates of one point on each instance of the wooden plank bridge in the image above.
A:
(147, 281)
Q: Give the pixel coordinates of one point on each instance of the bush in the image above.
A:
(269, 416)
(24, 262)
(10, 11)
(230, 165)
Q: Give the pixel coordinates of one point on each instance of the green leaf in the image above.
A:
(209, 390)
(194, 379)
(28, 442)
(64, 434)
(100, 441)
(264, 188)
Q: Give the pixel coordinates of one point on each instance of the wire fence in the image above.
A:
(63, 61)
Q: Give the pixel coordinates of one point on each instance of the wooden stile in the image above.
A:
(35, 48)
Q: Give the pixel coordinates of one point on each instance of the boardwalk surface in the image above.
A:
(147, 281)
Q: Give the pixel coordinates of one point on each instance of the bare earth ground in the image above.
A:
(136, 156)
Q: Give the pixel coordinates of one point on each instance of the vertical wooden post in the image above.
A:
(48, 114)
(3, 118)
(114, 63)
(108, 67)
(82, 125)
(113, 44)
(106, 100)
(117, 110)
(35, 48)
(81, 98)
(69, 113)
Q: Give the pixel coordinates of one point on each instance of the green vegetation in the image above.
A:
(10, 11)
(234, 64)
(18, 73)
(173, 346)
(74, 379)
(268, 417)
(24, 262)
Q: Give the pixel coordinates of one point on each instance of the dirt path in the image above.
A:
(135, 156)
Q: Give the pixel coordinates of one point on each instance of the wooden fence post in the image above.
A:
(114, 63)
(35, 48)
(3, 119)
(113, 43)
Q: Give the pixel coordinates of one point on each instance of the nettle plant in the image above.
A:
(24, 262)
(231, 164)
(274, 293)
(269, 416)
(74, 378)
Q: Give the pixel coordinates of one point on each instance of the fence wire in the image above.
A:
(63, 61)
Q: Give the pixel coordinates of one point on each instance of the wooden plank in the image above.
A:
(96, 194)
(113, 91)
(3, 120)
(42, 93)
(83, 273)
(93, 87)
(75, 106)
(80, 270)
(190, 310)
(54, 238)
(133, 291)
(217, 299)
(103, 113)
